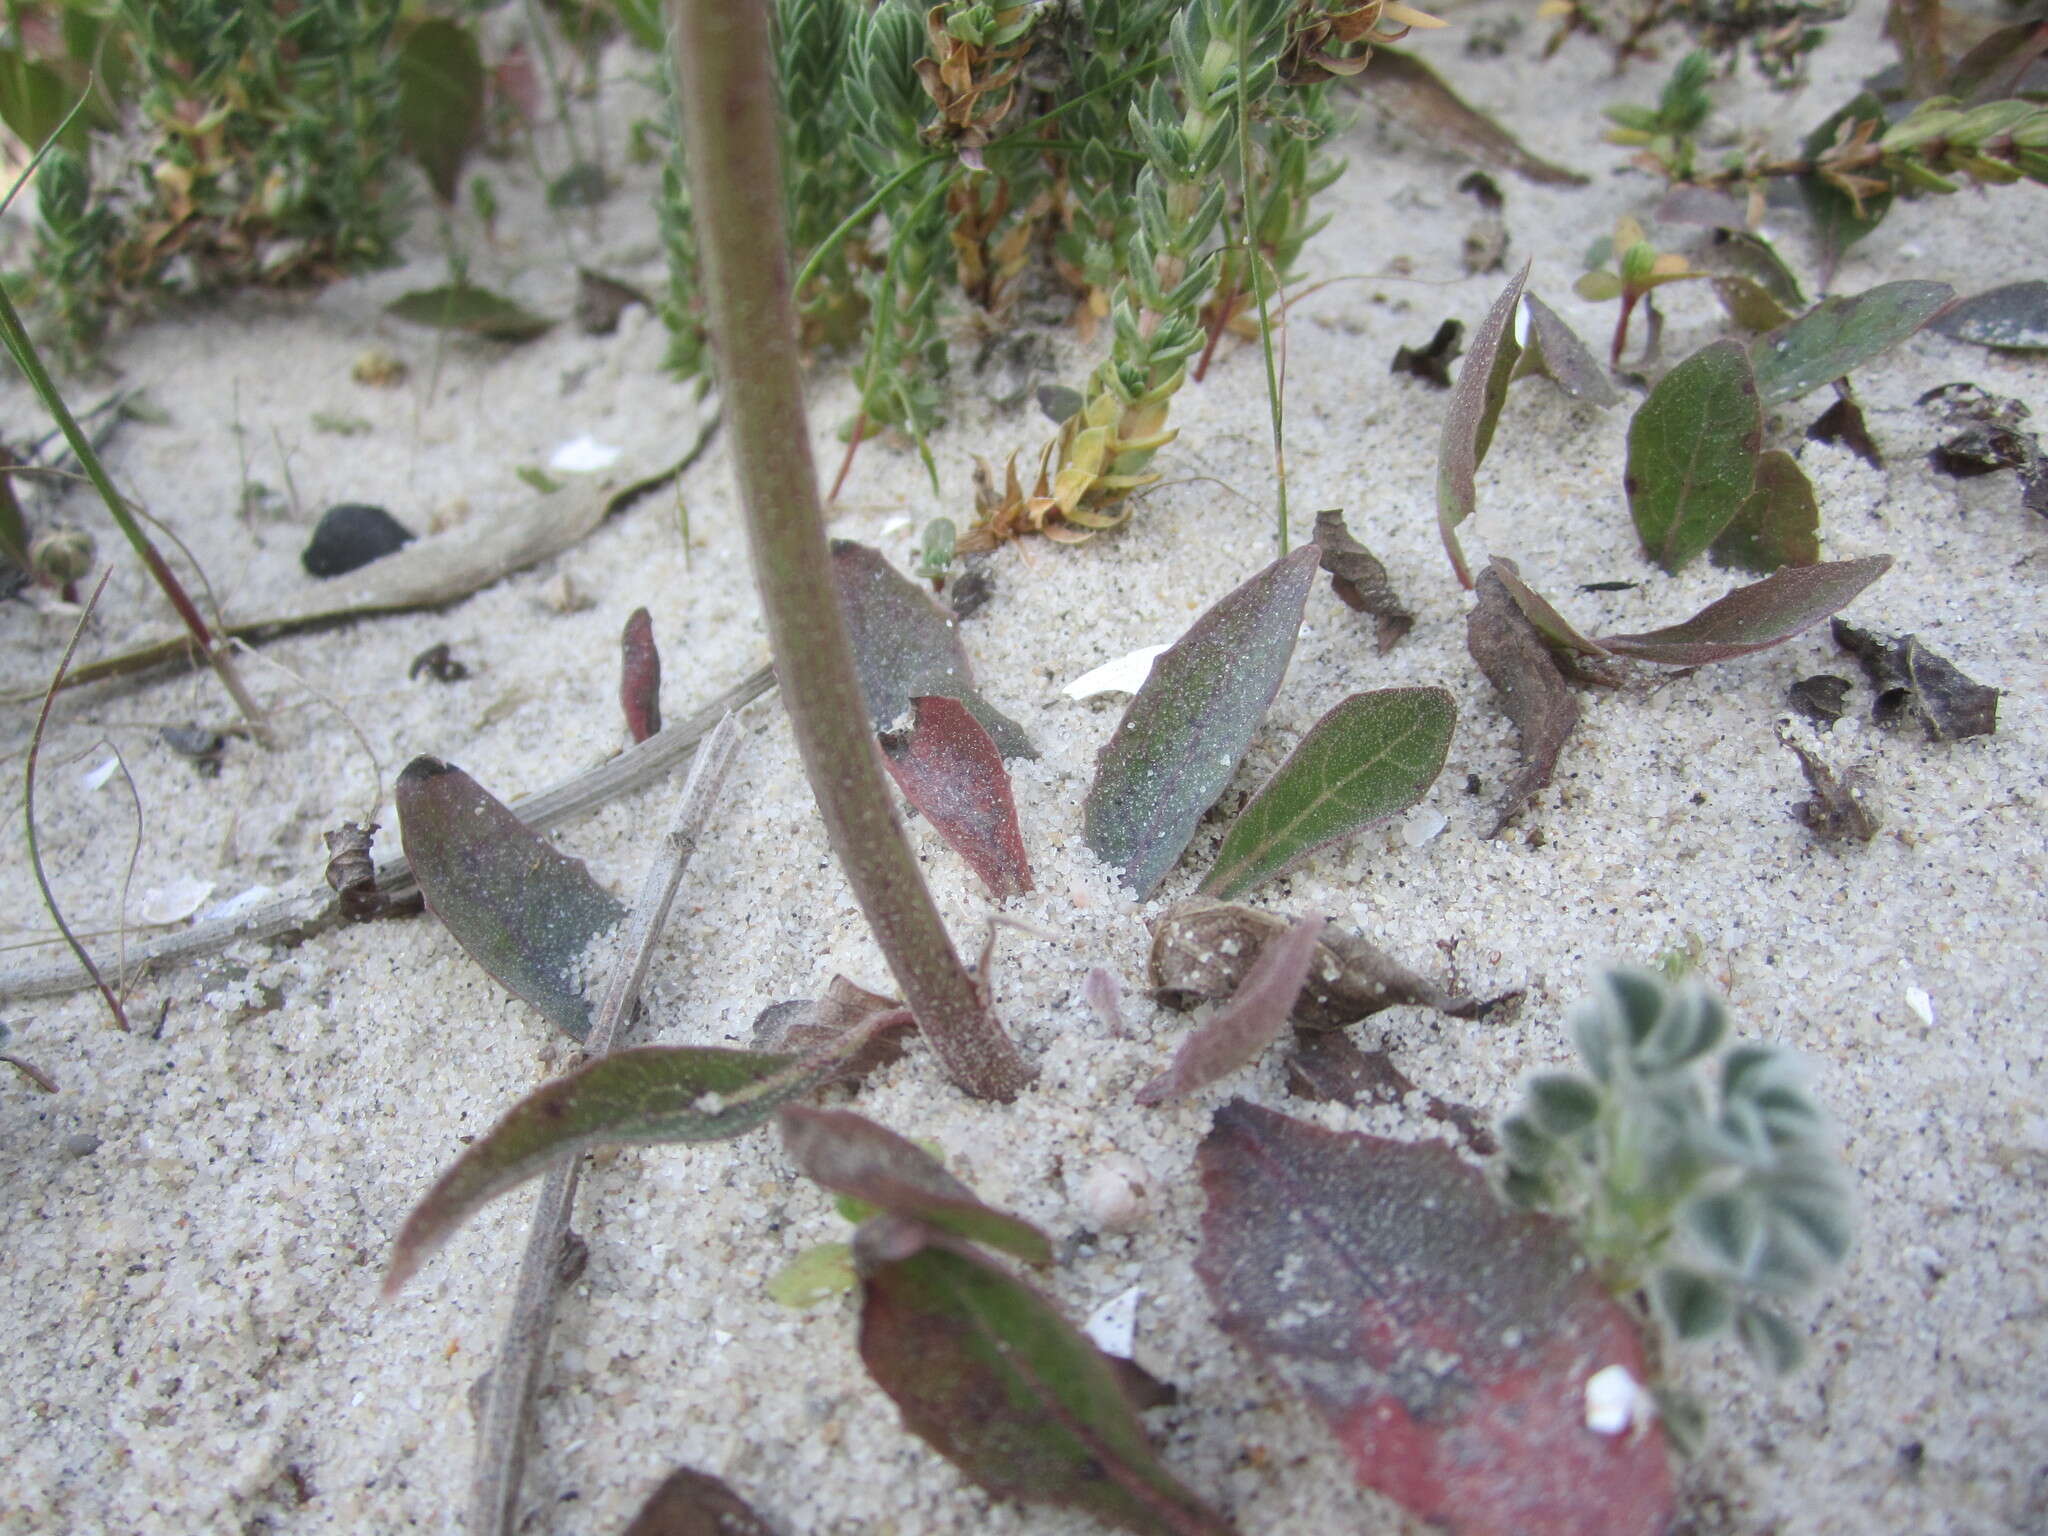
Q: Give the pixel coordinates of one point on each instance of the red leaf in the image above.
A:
(1445, 1339)
(949, 767)
(692, 1503)
(640, 676)
(1253, 1019)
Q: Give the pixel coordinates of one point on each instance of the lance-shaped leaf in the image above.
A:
(1373, 755)
(1444, 1339)
(440, 100)
(1469, 420)
(648, 1095)
(1360, 581)
(1778, 523)
(1184, 734)
(905, 645)
(1756, 617)
(2011, 318)
(1252, 1020)
(1511, 652)
(951, 770)
(986, 1371)
(851, 1155)
(1839, 334)
(463, 307)
(1553, 350)
(1554, 627)
(524, 911)
(693, 1503)
(1692, 451)
(640, 676)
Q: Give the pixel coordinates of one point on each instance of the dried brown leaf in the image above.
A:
(1510, 650)
(1253, 1019)
(1360, 581)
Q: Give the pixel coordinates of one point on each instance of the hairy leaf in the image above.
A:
(1510, 651)
(851, 1155)
(522, 910)
(987, 1372)
(1692, 451)
(2011, 318)
(1778, 523)
(1371, 756)
(905, 646)
(1755, 617)
(1554, 350)
(951, 770)
(1183, 736)
(1470, 417)
(1445, 1339)
(1253, 1019)
(440, 100)
(1360, 581)
(464, 307)
(1913, 682)
(1840, 334)
(692, 1503)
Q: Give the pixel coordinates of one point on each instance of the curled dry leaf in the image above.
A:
(951, 770)
(640, 676)
(1914, 683)
(1103, 994)
(1444, 1339)
(1511, 651)
(1842, 423)
(1431, 362)
(807, 1025)
(1327, 1066)
(1842, 807)
(1254, 1018)
(693, 1503)
(1756, 617)
(1360, 581)
(1469, 419)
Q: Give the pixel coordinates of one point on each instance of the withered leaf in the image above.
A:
(1842, 423)
(1360, 581)
(1511, 652)
(600, 300)
(693, 1503)
(1431, 362)
(806, 1025)
(1823, 698)
(1914, 683)
(1444, 1339)
(951, 770)
(1842, 807)
(1327, 1066)
(1413, 94)
(640, 676)
(1253, 1019)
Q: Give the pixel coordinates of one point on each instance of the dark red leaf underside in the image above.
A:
(949, 767)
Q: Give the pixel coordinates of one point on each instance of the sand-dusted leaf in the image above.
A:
(1201, 950)
(906, 646)
(1183, 736)
(819, 1273)
(1756, 617)
(1553, 349)
(952, 771)
(648, 1095)
(1327, 1066)
(1554, 627)
(1839, 334)
(466, 307)
(1360, 581)
(2013, 317)
(985, 1370)
(440, 100)
(1778, 523)
(524, 911)
(1412, 93)
(1692, 451)
(851, 1155)
(1840, 219)
(693, 1503)
(1469, 419)
(1511, 652)
(640, 676)
(1253, 1019)
(1371, 756)
(1914, 683)
(1445, 1339)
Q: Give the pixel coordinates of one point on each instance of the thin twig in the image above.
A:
(505, 1417)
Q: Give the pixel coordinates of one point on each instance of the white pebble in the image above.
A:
(1422, 825)
(1616, 1402)
(1126, 674)
(1921, 1004)
(1113, 1192)
(584, 455)
(1114, 1325)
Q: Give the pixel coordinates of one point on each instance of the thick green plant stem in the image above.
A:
(725, 71)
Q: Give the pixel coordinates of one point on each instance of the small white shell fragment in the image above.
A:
(894, 526)
(1113, 1192)
(1422, 824)
(175, 902)
(97, 776)
(1616, 1402)
(584, 455)
(1921, 1004)
(1126, 674)
(1114, 1325)
(237, 904)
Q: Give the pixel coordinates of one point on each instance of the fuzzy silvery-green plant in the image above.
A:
(1708, 1179)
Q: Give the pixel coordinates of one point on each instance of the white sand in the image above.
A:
(188, 1314)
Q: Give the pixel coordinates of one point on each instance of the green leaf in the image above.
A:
(1372, 756)
(1750, 304)
(1778, 523)
(1839, 334)
(1184, 734)
(1727, 1225)
(1755, 617)
(1692, 451)
(1563, 1103)
(1697, 1306)
(34, 100)
(1774, 1343)
(1554, 350)
(1470, 418)
(465, 307)
(1528, 1148)
(440, 100)
(817, 1274)
(991, 1376)
(524, 911)
(2011, 318)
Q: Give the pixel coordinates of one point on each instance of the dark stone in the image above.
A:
(350, 536)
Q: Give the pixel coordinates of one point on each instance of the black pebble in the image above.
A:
(350, 536)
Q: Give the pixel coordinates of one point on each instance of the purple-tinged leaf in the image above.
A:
(1692, 450)
(1915, 683)
(950, 769)
(1444, 1339)
(692, 1503)
(649, 1095)
(1554, 350)
(1840, 334)
(1842, 807)
(1756, 617)
(524, 911)
(1554, 627)
(640, 676)
(1253, 1019)
(851, 1155)
(986, 1371)
(1184, 734)
(2014, 318)
(1777, 525)
(1373, 755)
(1360, 581)
(1511, 652)
(806, 1025)
(1327, 1066)
(906, 645)
(1469, 419)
